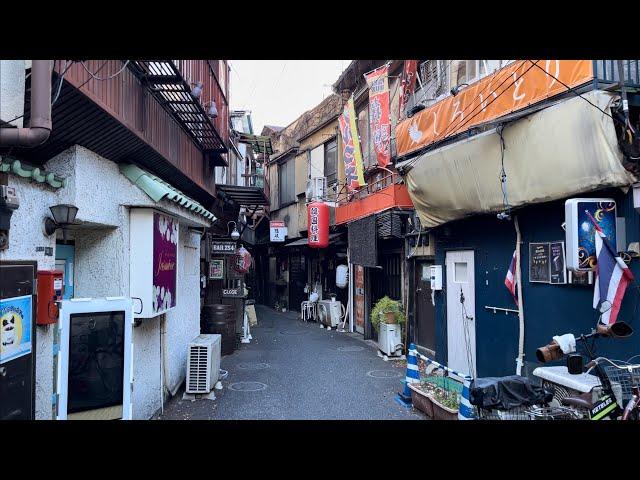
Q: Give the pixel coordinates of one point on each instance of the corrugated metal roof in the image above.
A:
(157, 189)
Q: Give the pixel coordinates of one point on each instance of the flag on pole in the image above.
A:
(612, 276)
(510, 281)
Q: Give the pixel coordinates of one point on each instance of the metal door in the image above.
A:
(425, 313)
(17, 340)
(461, 329)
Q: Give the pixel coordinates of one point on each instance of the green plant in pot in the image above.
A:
(387, 311)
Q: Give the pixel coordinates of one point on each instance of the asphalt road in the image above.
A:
(296, 370)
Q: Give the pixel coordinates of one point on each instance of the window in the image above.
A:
(286, 182)
(331, 162)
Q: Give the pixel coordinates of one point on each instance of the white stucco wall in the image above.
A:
(12, 80)
(104, 197)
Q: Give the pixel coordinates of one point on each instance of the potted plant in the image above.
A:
(387, 318)
(436, 402)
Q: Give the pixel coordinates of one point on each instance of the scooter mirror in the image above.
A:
(575, 364)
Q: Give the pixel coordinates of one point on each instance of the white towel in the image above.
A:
(567, 343)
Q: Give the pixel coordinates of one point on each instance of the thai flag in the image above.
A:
(612, 276)
(510, 282)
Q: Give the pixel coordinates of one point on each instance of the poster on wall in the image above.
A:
(216, 269)
(557, 263)
(165, 254)
(15, 327)
(539, 268)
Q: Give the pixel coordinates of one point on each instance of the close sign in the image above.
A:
(277, 231)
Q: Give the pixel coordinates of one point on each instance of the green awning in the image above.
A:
(259, 143)
(158, 189)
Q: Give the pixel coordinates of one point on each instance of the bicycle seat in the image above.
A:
(584, 400)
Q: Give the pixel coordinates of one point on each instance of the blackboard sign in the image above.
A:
(539, 268)
(557, 262)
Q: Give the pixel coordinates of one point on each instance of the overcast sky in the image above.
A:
(279, 91)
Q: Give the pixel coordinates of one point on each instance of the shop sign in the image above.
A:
(224, 247)
(15, 327)
(277, 231)
(379, 121)
(165, 254)
(359, 293)
(236, 292)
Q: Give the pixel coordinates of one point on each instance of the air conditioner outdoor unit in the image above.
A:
(316, 188)
(203, 363)
(329, 312)
(389, 339)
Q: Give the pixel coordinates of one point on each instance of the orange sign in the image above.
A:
(511, 88)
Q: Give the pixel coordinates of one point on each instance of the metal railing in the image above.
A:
(606, 72)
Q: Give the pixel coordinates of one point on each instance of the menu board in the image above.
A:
(539, 267)
(557, 263)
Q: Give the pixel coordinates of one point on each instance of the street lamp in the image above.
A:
(235, 235)
(63, 216)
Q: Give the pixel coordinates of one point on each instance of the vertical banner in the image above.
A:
(379, 121)
(15, 327)
(354, 173)
(165, 253)
(359, 316)
(408, 84)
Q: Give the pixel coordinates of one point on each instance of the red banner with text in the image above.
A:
(379, 120)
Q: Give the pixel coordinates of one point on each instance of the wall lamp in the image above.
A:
(213, 109)
(455, 90)
(63, 216)
(235, 235)
(196, 90)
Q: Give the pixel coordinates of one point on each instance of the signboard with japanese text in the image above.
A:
(354, 172)
(379, 121)
(277, 231)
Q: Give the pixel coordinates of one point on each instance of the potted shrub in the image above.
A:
(387, 318)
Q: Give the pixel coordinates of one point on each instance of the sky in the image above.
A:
(279, 91)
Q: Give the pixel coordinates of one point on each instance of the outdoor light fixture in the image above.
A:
(63, 216)
(213, 109)
(196, 91)
(235, 235)
(455, 90)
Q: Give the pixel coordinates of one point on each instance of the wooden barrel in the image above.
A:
(219, 318)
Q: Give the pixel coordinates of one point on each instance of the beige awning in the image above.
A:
(560, 151)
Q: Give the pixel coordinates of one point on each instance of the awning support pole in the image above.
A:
(520, 359)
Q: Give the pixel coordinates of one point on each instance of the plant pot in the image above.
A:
(390, 318)
(440, 412)
(421, 400)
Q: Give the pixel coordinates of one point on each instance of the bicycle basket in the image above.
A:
(623, 379)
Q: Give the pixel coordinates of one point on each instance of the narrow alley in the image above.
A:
(298, 371)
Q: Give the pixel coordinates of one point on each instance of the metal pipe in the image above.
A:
(40, 122)
(520, 359)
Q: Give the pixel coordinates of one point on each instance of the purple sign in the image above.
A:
(165, 250)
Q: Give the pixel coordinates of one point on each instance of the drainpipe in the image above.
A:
(40, 123)
(520, 359)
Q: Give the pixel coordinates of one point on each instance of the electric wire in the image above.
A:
(95, 77)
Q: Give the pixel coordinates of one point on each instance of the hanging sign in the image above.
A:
(318, 222)
(353, 169)
(277, 231)
(408, 83)
(224, 247)
(165, 254)
(379, 120)
(15, 327)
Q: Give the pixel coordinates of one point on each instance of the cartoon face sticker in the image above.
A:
(8, 331)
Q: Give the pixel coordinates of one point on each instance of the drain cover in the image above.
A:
(294, 332)
(247, 386)
(353, 348)
(384, 374)
(252, 365)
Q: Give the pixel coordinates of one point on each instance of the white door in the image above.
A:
(461, 312)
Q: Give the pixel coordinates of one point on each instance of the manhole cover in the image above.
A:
(252, 365)
(353, 348)
(247, 386)
(294, 332)
(384, 374)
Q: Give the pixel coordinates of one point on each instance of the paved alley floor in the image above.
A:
(296, 370)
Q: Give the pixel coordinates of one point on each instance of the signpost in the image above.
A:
(223, 247)
(277, 231)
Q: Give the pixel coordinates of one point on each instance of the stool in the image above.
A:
(308, 310)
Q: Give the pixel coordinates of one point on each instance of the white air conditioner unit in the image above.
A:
(329, 312)
(316, 188)
(203, 363)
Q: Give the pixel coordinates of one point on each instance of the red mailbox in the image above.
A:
(318, 224)
(50, 290)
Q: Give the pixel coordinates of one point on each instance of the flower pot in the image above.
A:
(421, 400)
(441, 412)
(390, 318)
